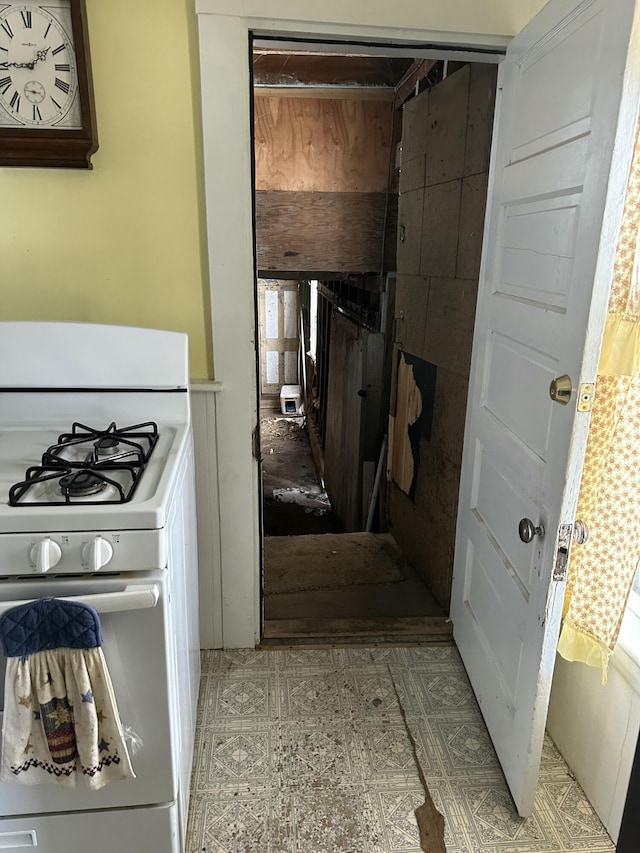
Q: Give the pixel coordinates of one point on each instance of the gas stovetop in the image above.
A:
(57, 479)
(77, 497)
(88, 465)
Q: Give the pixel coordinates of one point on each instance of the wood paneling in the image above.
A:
(326, 232)
(325, 316)
(353, 416)
(342, 455)
(321, 145)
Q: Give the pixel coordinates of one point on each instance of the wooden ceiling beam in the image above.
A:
(417, 72)
(271, 69)
(333, 93)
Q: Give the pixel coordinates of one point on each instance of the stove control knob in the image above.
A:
(97, 553)
(45, 554)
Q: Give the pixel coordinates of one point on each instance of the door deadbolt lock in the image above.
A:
(560, 389)
(527, 530)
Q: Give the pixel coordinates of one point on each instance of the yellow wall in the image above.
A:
(123, 243)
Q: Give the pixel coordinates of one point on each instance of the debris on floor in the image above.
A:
(282, 431)
(313, 498)
(308, 751)
(293, 497)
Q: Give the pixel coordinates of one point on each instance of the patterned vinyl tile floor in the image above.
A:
(306, 751)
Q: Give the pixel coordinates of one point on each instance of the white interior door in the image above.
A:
(567, 104)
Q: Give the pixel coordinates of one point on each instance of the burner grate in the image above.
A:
(88, 466)
(58, 483)
(137, 443)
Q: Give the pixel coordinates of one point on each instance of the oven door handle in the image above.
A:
(132, 597)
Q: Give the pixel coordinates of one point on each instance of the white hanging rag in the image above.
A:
(60, 715)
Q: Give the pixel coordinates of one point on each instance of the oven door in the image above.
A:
(133, 613)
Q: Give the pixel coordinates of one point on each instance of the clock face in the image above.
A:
(38, 74)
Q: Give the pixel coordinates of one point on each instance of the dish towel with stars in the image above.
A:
(60, 714)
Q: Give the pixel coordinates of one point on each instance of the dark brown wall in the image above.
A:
(324, 234)
(443, 185)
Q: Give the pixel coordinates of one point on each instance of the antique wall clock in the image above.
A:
(46, 94)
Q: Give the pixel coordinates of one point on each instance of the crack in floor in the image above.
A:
(430, 820)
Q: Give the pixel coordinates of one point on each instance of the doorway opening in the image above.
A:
(370, 188)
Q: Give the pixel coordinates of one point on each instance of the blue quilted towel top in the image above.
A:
(49, 623)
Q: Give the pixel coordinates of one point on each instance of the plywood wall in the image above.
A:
(322, 172)
(323, 144)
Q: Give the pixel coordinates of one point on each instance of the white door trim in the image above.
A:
(225, 84)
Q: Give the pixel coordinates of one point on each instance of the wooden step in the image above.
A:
(375, 626)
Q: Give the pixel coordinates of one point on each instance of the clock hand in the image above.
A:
(40, 56)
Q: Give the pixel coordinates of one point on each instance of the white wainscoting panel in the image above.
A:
(203, 416)
(595, 727)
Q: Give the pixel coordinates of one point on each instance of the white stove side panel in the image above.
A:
(183, 634)
(88, 355)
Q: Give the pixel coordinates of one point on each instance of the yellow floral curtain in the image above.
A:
(601, 571)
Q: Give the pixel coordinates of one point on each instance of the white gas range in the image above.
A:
(97, 502)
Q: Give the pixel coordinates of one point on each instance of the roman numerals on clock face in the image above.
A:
(38, 74)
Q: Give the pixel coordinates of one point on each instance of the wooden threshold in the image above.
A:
(376, 626)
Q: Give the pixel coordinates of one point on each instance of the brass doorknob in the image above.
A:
(527, 530)
(560, 389)
(580, 532)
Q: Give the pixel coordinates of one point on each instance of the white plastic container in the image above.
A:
(291, 400)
